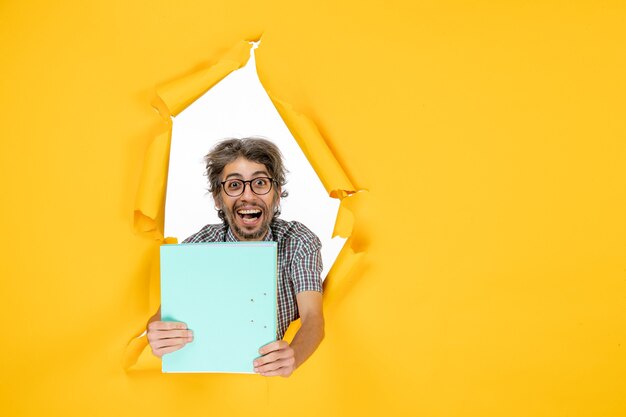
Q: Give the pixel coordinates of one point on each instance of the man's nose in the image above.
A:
(248, 194)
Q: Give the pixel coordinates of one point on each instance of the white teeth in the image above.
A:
(249, 211)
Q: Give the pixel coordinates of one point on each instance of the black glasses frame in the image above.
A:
(243, 190)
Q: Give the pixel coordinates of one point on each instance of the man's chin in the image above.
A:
(246, 232)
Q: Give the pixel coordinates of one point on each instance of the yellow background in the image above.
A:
(491, 138)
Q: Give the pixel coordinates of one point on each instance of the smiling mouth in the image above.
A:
(249, 215)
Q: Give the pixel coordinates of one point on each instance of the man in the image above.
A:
(246, 178)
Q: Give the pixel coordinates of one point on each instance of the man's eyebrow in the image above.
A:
(238, 175)
(234, 174)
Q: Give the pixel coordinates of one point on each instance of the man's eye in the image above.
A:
(233, 185)
(260, 182)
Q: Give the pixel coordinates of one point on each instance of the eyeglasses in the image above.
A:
(236, 187)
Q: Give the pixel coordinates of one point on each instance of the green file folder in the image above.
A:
(226, 293)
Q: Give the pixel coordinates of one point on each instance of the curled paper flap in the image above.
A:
(180, 93)
(340, 276)
(149, 201)
(352, 220)
(136, 355)
(346, 221)
(138, 358)
(133, 351)
(316, 150)
(177, 95)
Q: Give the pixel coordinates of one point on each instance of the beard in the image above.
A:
(256, 233)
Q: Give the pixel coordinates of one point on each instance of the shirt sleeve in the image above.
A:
(306, 267)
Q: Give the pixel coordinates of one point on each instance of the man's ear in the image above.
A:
(218, 201)
(279, 191)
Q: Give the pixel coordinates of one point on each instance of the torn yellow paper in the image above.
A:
(133, 350)
(316, 150)
(338, 280)
(174, 97)
(180, 93)
(134, 355)
(177, 95)
(352, 219)
(149, 215)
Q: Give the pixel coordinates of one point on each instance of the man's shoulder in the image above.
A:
(294, 232)
(209, 233)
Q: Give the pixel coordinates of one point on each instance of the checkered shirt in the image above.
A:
(299, 262)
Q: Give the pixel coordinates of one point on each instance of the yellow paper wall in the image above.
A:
(491, 138)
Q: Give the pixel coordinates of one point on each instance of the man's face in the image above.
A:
(249, 215)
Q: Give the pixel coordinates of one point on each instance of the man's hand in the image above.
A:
(278, 359)
(167, 336)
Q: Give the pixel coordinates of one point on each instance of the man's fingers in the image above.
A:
(168, 349)
(276, 365)
(168, 336)
(270, 347)
(162, 346)
(271, 357)
(167, 325)
(154, 335)
(170, 341)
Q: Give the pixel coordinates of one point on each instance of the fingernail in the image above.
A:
(256, 370)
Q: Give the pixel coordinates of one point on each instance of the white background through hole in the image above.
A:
(238, 106)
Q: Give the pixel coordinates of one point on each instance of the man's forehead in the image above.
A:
(242, 167)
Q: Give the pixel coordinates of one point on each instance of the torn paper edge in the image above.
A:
(175, 96)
